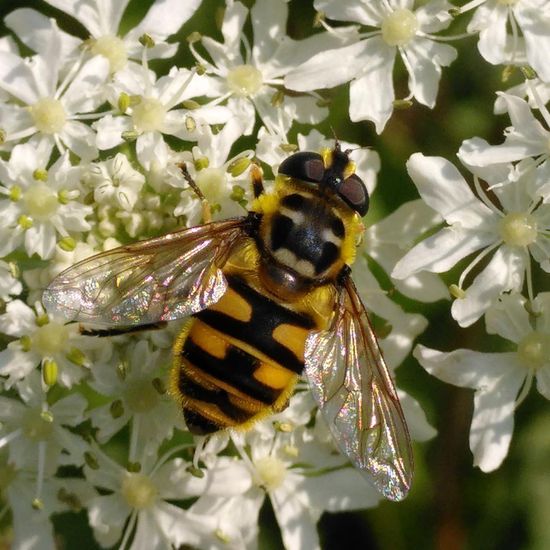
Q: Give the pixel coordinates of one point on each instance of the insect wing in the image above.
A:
(356, 395)
(149, 281)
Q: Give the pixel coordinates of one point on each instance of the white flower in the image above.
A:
(31, 517)
(286, 462)
(513, 232)
(53, 99)
(114, 182)
(41, 341)
(497, 46)
(152, 112)
(136, 388)
(41, 203)
(102, 21)
(9, 285)
(35, 432)
(138, 503)
(501, 380)
(527, 137)
(224, 181)
(388, 239)
(368, 62)
(535, 90)
(253, 83)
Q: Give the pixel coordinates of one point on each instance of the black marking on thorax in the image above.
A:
(308, 229)
(267, 315)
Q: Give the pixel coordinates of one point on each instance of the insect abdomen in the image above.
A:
(239, 360)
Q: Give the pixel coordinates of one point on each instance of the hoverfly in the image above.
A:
(271, 298)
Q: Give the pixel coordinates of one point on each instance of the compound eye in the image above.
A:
(355, 194)
(304, 166)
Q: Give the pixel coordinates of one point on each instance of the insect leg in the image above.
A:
(120, 330)
(206, 212)
(256, 177)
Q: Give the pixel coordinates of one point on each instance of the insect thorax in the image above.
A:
(305, 238)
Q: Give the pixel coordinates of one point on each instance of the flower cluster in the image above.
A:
(92, 137)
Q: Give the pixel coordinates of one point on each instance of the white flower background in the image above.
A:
(445, 106)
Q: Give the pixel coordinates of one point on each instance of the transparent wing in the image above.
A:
(356, 395)
(149, 281)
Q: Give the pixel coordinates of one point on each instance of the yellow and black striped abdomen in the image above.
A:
(239, 360)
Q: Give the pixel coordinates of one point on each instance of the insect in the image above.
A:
(271, 298)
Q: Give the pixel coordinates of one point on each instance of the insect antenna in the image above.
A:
(206, 212)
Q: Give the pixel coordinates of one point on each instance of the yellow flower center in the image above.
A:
(399, 27)
(50, 339)
(508, 2)
(149, 115)
(48, 115)
(113, 48)
(139, 491)
(40, 201)
(518, 229)
(36, 425)
(270, 472)
(141, 396)
(244, 80)
(534, 349)
(211, 182)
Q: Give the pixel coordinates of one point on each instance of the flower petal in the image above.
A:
(493, 421)
(165, 17)
(470, 369)
(441, 251)
(443, 188)
(366, 13)
(34, 30)
(17, 79)
(419, 427)
(84, 93)
(100, 18)
(340, 490)
(490, 20)
(80, 139)
(298, 528)
(372, 94)
(326, 70)
(508, 318)
(503, 273)
(109, 130)
(535, 27)
(425, 59)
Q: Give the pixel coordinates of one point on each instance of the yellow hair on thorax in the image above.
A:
(354, 230)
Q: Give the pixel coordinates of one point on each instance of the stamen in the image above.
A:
(515, 34)
(132, 453)
(206, 64)
(540, 104)
(476, 260)
(529, 276)
(10, 437)
(471, 5)
(129, 529)
(201, 441)
(484, 198)
(42, 445)
(175, 99)
(525, 388)
(70, 76)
